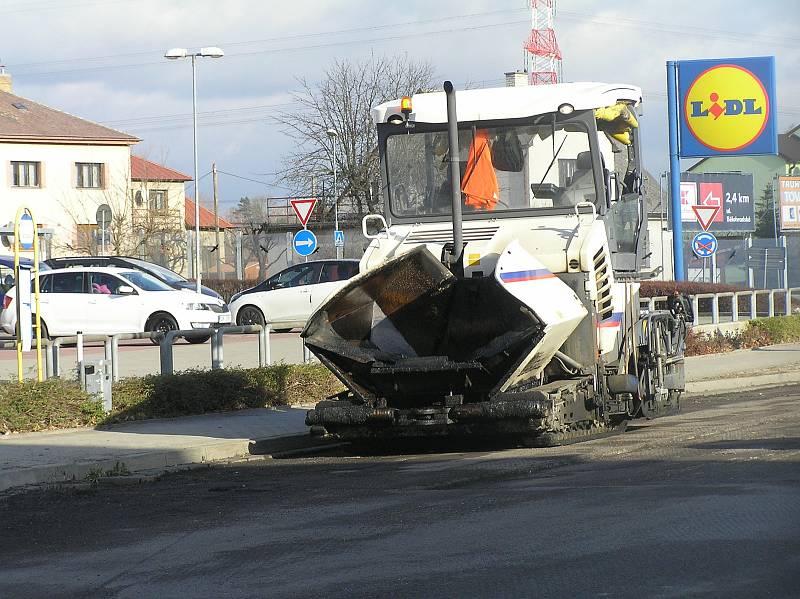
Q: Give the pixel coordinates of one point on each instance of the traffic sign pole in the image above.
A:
(675, 170)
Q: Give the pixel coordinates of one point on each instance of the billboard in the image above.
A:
(727, 107)
(789, 198)
(732, 192)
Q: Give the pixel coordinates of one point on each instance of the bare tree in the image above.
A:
(135, 229)
(251, 215)
(342, 101)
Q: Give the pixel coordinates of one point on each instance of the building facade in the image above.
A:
(59, 166)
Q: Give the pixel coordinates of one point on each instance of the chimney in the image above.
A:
(5, 80)
(517, 79)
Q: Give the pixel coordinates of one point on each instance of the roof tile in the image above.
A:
(144, 170)
(23, 119)
(206, 218)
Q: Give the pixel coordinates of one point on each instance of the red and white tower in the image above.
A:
(542, 48)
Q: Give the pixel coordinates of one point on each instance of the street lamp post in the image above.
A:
(334, 134)
(175, 54)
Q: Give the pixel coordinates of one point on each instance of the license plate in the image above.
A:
(224, 318)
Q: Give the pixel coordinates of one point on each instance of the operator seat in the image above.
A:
(581, 186)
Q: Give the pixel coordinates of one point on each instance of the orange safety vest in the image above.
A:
(480, 182)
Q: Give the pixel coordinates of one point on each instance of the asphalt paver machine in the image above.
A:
(499, 291)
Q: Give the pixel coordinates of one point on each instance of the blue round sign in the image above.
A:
(704, 245)
(305, 242)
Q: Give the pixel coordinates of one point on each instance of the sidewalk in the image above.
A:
(72, 454)
(153, 445)
(743, 369)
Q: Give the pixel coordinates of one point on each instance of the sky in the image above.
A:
(103, 60)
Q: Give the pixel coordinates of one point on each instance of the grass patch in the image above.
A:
(54, 404)
(757, 333)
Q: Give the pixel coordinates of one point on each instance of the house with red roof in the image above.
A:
(62, 167)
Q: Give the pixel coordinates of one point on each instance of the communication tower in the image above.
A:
(542, 49)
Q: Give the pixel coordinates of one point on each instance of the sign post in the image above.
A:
(25, 239)
(719, 107)
(304, 241)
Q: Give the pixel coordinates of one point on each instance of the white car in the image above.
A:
(106, 301)
(287, 299)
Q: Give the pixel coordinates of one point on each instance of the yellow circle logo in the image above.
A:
(726, 107)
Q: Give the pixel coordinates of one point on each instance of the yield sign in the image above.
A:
(705, 215)
(303, 207)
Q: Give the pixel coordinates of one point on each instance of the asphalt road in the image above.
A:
(702, 504)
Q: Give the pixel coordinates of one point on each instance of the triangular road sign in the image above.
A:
(303, 207)
(705, 215)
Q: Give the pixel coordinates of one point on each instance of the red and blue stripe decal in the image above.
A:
(526, 275)
(612, 321)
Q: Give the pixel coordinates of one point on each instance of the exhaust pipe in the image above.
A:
(456, 258)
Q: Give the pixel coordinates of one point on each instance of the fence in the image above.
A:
(52, 353)
(716, 308)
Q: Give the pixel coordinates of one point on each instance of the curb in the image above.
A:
(717, 386)
(156, 461)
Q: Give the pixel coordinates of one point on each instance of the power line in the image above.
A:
(334, 32)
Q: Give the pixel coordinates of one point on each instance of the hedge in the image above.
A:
(55, 403)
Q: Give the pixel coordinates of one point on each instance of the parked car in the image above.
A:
(162, 273)
(7, 273)
(107, 300)
(287, 299)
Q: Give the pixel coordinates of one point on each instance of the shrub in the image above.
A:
(33, 406)
(201, 391)
(757, 333)
(227, 287)
(659, 288)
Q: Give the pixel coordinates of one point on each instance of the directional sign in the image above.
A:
(704, 245)
(338, 239)
(706, 215)
(305, 242)
(26, 232)
(303, 207)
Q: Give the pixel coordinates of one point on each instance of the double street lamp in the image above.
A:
(334, 134)
(175, 54)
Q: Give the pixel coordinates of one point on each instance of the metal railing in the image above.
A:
(708, 309)
(217, 353)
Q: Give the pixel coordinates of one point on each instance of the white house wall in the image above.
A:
(58, 203)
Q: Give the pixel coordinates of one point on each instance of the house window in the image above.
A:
(157, 200)
(25, 174)
(90, 175)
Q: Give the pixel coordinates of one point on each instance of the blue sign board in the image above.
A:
(305, 242)
(26, 232)
(704, 245)
(338, 239)
(727, 107)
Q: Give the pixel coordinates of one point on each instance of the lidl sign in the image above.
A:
(727, 107)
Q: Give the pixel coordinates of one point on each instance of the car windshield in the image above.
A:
(503, 168)
(162, 272)
(145, 281)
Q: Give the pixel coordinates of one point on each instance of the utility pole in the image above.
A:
(216, 219)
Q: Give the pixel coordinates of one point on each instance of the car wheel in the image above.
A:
(161, 322)
(199, 339)
(250, 315)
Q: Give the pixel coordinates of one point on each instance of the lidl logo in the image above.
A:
(727, 107)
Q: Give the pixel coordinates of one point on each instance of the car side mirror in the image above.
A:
(126, 290)
(276, 285)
